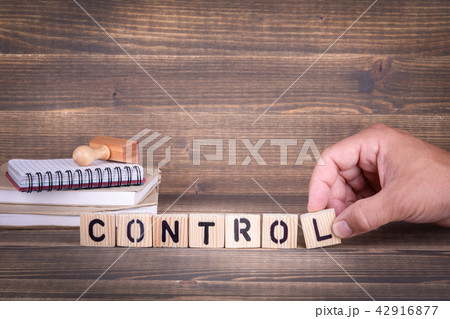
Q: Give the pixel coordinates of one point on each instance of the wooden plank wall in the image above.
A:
(64, 81)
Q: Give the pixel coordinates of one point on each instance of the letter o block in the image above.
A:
(242, 231)
(134, 230)
(279, 231)
(98, 230)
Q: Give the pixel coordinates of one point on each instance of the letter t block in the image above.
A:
(207, 230)
(317, 228)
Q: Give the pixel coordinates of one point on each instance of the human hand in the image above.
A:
(382, 175)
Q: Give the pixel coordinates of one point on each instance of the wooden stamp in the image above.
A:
(170, 230)
(134, 230)
(98, 229)
(107, 148)
(279, 231)
(317, 228)
(207, 230)
(242, 231)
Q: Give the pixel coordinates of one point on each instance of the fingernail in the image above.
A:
(341, 229)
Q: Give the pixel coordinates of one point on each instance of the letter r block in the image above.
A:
(242, 230)
(207, 230)
(98, 229)
(134, 230)
(279, 231)
(170, 230)
(317, 228)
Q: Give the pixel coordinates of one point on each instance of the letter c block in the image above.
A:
(98, 230)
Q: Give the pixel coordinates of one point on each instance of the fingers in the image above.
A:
(444, 223)
(346, 158)
(365, 215)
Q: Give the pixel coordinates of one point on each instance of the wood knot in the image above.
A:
(368, 79)
(380, 68)
(187, 284)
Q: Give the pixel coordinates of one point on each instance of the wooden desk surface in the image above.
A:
(63, 81)
(399, 261)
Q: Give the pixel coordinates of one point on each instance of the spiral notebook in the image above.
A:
(64, 174)
(103, 196)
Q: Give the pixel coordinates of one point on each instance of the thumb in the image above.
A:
(364, 215)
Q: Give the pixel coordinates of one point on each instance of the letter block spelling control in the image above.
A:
(207, 230)
(279, 231)
(98, 229)
(242, 230)
(170, 230)
(317, 228)
(134, 230)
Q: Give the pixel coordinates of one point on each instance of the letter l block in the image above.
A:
(317, 228)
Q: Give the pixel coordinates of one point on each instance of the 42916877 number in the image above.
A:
(404, 311)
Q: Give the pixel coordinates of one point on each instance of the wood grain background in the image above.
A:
(64, 81)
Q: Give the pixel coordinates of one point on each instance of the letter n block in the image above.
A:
(207, 230)
(317, 228)
(279, 231)
(242, 231)
(98, 229)
(170, 230)
(134, 230)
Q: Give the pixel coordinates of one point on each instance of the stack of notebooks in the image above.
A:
(56, 191)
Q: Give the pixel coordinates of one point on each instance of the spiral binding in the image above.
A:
(138, 173)
(119, 175)
(60, 180)
(129, 175)
(90, 178)
(50, 181)
(40, 182)
(30, 182)
(100, 177)
(80, 178)
(108, 171)
(70, 178)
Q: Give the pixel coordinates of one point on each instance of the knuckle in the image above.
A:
(361, 219)
(379, 126)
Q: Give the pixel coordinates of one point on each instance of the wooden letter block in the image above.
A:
(279, 231)
(134, 230)
(170, 230)
(242, 230)
(98, 229)
(317, 228)
(207, 230)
